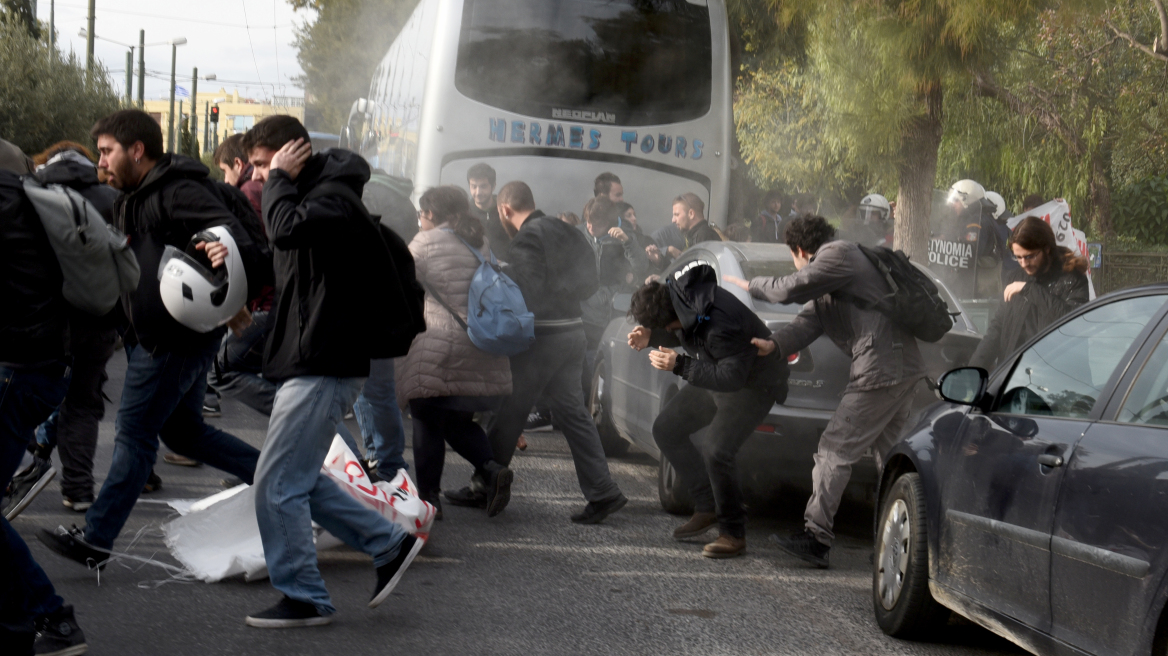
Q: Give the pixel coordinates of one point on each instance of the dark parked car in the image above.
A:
(628, 393)
(1034, 500)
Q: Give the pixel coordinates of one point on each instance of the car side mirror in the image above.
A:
(622, 302)
(964, 386)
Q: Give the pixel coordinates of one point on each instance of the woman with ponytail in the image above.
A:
(445, 377)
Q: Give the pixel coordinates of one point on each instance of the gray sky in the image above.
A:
(217, 41)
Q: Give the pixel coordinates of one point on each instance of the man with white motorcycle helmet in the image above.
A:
(170, 343)
(975, 214)
(873, 218)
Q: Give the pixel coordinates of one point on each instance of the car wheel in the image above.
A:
(614, 445)
(900, 579)
(674, 497)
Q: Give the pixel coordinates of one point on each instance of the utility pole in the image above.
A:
(206, 125)
(52, 25)
(170, 120)
(194, 124)
(129, 77)
(141, 69)
(89, 42)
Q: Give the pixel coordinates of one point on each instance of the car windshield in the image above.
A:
(632, 63)
(771, 269)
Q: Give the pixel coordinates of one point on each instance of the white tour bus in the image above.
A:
(555, 92)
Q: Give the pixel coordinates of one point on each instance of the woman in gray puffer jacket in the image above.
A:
(445, 377)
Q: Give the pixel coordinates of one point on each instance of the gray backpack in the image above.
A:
(96, 261)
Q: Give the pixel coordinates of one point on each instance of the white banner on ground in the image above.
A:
(218, 537)
(1058, 214)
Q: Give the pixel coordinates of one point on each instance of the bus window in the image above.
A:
(626, 62)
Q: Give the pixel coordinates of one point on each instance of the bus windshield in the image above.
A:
(626, 62)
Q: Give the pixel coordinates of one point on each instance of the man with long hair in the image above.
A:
(1051, 281)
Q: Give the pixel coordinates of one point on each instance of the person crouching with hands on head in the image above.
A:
(731, 389)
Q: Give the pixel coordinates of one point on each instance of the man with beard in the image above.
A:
(164, 202)
(480, 179)
(1051, 281)
(555, 269)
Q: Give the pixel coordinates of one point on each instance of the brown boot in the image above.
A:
(725, 547)
(697, 525)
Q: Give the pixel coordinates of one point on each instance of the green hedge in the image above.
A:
(1140, 211)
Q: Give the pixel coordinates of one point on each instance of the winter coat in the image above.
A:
(703, 231)
(838, 275)
(555, 269)
(170, 206)
(34, 320)
(767, 228)
(388, 197)
(443, 361)
(614, 261)
(497, 235)
(337, 296)
(1045, 298)
(716, 329)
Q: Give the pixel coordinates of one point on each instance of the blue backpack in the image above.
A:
(498, 321)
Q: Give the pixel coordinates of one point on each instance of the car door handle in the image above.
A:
(1050, 460)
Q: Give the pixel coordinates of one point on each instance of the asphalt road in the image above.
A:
(526, 582)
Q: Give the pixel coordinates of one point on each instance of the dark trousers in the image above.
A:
(707, 465)
(27, 396)
(551, 367)
(162, 397)
(435, 426)
(238, 366)
(73, 428)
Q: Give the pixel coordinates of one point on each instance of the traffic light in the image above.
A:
(215, 114)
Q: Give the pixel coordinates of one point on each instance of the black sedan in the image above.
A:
(1034, 500)
(628, 393)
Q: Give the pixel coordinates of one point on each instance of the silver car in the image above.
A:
(628, 393)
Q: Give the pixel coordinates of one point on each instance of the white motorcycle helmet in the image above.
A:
(999, 203)
(966, 192)
(198, 296)
(874, 206)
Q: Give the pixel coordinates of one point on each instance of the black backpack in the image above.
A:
(398, 300)
(914, 305)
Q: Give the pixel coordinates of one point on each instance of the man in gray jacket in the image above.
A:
(834, 278)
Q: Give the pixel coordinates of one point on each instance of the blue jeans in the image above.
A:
(291, 492)
(162, 397)
(27, 397)
(380, 419)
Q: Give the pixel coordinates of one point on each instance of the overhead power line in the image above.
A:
(183, 19)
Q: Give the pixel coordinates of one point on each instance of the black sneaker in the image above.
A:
(153, 484)
(80, 504)
(288, 614)
(72, 545)
(499, 479)
(211, 405)
(59, 635)
(596, 511)
(538, 422)
(466, 498)
(26, 486)
(389, 574)
(804, 545)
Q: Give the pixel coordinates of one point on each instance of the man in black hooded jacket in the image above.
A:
(164, 202)
(339, 304)
(731, 389)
